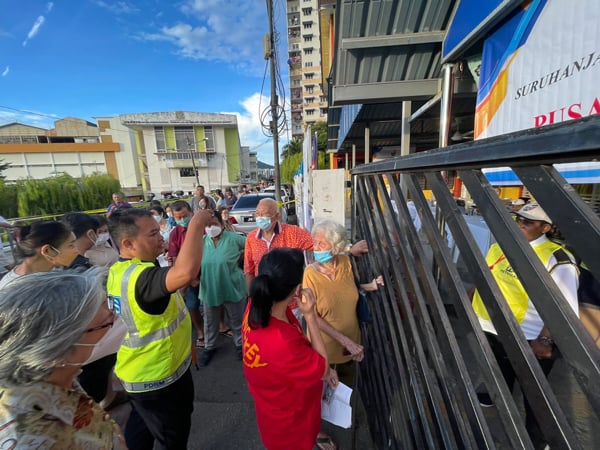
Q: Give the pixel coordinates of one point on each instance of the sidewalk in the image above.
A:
(223, 415)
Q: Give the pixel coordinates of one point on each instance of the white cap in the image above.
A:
(533, 211)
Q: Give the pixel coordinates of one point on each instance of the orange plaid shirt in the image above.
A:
(285, 236)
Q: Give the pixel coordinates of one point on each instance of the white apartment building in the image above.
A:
(307, 97)
(175, 151)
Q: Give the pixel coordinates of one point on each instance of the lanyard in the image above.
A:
(502, 258)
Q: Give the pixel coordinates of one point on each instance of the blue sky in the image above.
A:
(94, 58)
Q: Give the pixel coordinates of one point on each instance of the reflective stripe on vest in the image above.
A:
(146, 386)
(135, 340)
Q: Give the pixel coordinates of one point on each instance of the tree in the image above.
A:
(3, 167)
(291, 148)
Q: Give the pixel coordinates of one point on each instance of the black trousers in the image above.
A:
(531, 424)
(164, 416)
(94, 377)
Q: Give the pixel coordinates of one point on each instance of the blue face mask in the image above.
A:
(264, 223)
(184, 222)
(323, 257)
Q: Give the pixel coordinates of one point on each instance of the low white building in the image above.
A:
(73, 146)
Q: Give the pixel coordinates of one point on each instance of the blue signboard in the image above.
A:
(472, 20)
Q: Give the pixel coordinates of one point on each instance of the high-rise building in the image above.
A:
(308, 98)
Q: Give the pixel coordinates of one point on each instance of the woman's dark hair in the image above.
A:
(218, 216)
(38, 234)
(102, 220)
(159, 209)
(80, 223)
(279, 272)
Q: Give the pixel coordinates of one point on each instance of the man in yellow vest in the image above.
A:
(534, 223)
(154, 360)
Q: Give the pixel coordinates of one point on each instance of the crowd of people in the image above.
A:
(141, 294)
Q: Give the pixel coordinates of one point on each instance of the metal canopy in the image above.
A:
(387, 52)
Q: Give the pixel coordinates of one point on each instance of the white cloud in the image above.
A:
(35, 29)
(117, 7)
(250, 128)
(5, 71)
(230, 32)
(49, 6)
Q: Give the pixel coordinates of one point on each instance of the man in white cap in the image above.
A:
(534, 223)
(517, 204)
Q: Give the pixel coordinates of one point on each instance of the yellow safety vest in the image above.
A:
(508, 282)
(156, 350)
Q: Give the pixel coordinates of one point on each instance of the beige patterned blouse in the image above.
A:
(45, 416)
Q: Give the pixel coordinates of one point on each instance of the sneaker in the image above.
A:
(206, 357)
(238, 353)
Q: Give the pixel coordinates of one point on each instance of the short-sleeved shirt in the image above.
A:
(285, 236)
(336, 303)
(176, 239)
(284, 376)
(222, 280)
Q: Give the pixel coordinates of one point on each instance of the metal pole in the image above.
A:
(193, 162)
(274, 105)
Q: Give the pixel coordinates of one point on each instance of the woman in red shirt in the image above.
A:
(284, 370)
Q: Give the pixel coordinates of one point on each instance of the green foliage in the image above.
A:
(8, 199)
(56, 195)
(291, 148)
(289, 166)
(3, 167)
(321, 129)
(292, 153)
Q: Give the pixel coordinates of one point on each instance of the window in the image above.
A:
(184, 139)
(308, 38)
(308, 64)
(310, 112)
(295, 82)
(307, 11)
(323, 99)
(188, 172)
(309, 89)
(159, 135)
(308, 51)
(307, 25)
(210, 141)
(309, 76)
(323, 112)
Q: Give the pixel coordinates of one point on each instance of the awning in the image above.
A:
(574, 173)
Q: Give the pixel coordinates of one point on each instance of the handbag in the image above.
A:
(362, 308)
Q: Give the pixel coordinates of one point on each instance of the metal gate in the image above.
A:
(426, 353)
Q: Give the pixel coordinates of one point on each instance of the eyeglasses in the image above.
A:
(527, 222)
(113, 317)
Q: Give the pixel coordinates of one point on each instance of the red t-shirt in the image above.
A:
(284, 376)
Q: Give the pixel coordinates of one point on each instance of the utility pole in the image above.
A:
(274, 103)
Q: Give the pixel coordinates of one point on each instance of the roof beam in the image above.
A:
(392, 40)
(388, 92)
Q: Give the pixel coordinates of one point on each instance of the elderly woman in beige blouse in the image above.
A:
(332, 280)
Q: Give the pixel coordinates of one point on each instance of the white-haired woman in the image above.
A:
(53, 323)
(332, 280)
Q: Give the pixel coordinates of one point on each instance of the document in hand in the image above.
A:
(335, 405)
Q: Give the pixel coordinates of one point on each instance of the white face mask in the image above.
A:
(108, 344)
(158, 219)
(102, 238)
(213, 231)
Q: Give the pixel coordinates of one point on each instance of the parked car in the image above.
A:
(244, 211)
(287, 197)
